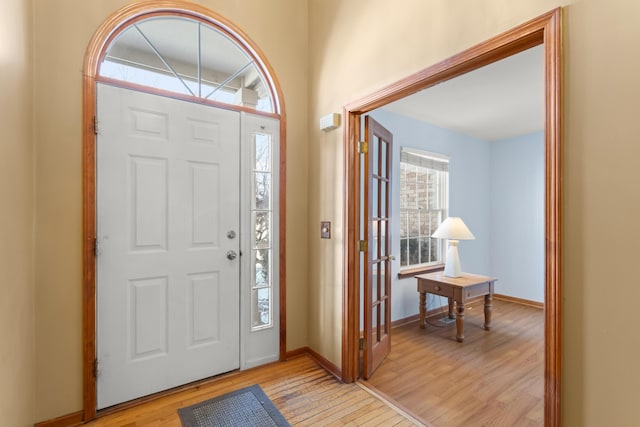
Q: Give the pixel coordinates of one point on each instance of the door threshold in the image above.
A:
(390, 402)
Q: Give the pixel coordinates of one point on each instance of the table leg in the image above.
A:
(460, 322)
(423, 304)
(451, 315)
(488, 308)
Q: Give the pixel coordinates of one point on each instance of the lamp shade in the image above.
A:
(453, 228)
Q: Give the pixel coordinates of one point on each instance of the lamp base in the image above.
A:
(452, 266)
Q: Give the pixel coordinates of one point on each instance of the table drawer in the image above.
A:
(477, 290)
(435, 288)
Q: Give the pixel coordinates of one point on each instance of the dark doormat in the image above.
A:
(248, 406)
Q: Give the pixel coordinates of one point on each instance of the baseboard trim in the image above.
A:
(438, 311)
(410, 319)
(70, 420)
(296, 353)
(520, 301)
(326, 364)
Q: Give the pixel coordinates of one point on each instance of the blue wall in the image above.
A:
(517, 216)
(469, 187)
(490, 184)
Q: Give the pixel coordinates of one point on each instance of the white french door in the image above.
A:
(168, 243)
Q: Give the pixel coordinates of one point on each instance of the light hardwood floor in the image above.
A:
(494, 378)
(303, 392)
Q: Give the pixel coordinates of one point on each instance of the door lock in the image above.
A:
(231, 234)
(232, 255)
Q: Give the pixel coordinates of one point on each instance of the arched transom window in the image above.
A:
(188, 57)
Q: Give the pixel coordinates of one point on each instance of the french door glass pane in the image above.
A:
(375, 191)
(374, 324)
(383, 324)
(383, 238)
(375, 277)
(384, 211)
(374, 150)
(383, 160)
(383, 273)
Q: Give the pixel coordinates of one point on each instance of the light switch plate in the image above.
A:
(325, 229)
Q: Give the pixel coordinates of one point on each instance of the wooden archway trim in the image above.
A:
(93, 57)
(544, 30)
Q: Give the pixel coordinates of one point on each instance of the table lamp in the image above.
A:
(453, 229)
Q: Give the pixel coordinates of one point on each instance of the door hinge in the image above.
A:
(95, 125)
(362, 245)
(95, 246)
(361, 343)
(95, 368)
(363, 147)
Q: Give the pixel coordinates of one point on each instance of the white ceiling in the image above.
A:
(498, 101)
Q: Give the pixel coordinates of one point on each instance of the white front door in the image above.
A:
(168, 227)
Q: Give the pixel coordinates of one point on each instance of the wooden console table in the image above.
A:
(458, 289)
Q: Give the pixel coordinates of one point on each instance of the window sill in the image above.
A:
(412, 272)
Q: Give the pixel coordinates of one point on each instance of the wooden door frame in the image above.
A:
(544, 30)
(94, 55)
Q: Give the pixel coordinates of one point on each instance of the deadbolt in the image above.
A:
(231, 234)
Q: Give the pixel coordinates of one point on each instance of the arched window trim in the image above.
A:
(96, 50)
(219, 23)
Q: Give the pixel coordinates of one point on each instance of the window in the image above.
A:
(424, 202)
(262, 249)
(187, 57)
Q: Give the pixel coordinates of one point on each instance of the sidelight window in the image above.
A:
(262, 215)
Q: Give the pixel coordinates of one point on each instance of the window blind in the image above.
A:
(424, 161)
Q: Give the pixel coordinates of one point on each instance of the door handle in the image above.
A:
(232, 255)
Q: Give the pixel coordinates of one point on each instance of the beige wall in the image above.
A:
(63, 29)
(357, 47)
(17, 347)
